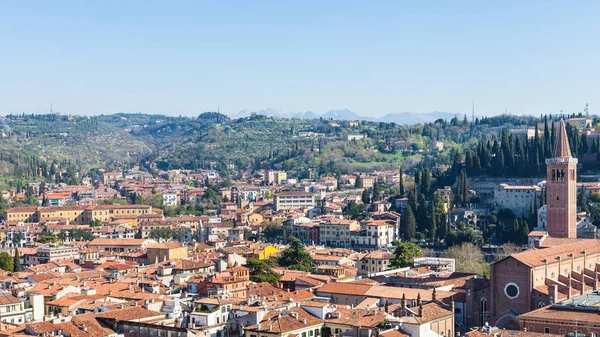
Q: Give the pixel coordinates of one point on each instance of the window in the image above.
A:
(541, 305)
(546, 330)
(511, 290)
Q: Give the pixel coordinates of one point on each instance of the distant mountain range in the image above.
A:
(347, 115)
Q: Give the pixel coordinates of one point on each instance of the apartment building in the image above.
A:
(337, 232)
(80, 215)
(294, 200)
(517, 198)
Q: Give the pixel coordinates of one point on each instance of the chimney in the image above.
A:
(403, 301)
(420, 309)
(552, 293)
(418, 299)
(569, 287)
(433, 295)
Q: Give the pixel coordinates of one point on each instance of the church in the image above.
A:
(560, 266)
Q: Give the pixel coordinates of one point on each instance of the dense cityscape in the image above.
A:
(451, 237)
(299, 169)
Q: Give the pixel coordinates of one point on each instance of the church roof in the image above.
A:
(561, 147)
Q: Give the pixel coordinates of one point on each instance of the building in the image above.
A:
(377, 234)
(525, 133)
(518, 199)
(294, 200)
(561, 189)
(557, 270)
(119, 245)
(374, 262)
(307, 232)
(356, 136)
(170, 199)
(338, 232)
(275, 177)
(580, 123)
(160, 252)
(48, 254)
(575, 317)
(14, 310)
(79, 215)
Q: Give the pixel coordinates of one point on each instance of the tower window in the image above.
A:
(557, 197)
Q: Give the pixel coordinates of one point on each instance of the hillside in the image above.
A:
(44, 145)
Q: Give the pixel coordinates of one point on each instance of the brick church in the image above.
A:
(560, 266)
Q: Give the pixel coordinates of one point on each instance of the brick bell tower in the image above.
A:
(561, 189)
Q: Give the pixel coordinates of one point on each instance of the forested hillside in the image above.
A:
(58, 147)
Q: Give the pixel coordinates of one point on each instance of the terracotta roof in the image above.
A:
(130, 313)
(8, 299)
(538, 257)
(561, 147)
(357, 317)
(117, 242)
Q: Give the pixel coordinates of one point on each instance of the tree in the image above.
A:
(47, 238)
(468, 258)
(408, 225)
(17, 261)
(3, 203)
(17, 238)
(261, 271)
(6, 261)
(366, 199)
(425, 182)
(401, 184)
(432, 225)
(296, 257)
(356, 211)
(405, 254)
(273, 233)
(376, 191)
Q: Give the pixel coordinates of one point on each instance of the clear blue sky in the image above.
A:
(372, 57)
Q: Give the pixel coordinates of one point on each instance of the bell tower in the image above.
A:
(561, 189)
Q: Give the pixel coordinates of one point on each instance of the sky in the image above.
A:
(372, 57)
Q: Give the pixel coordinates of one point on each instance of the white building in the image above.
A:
(377, 234)
(294, 200)
(517, 198)
(541, 219)
(356, 136)
(580, 122)
(169, 199)
(14, 310)
(210, 312)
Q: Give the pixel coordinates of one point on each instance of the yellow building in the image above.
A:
(74, 214)
(276, 177)
(256, 218)
(264, 253)
(160, 252)
(24, 214)
(80, 215)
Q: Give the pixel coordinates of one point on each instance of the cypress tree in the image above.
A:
(432, 222)
(407, 224)
(17, 261)
(401, 184)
